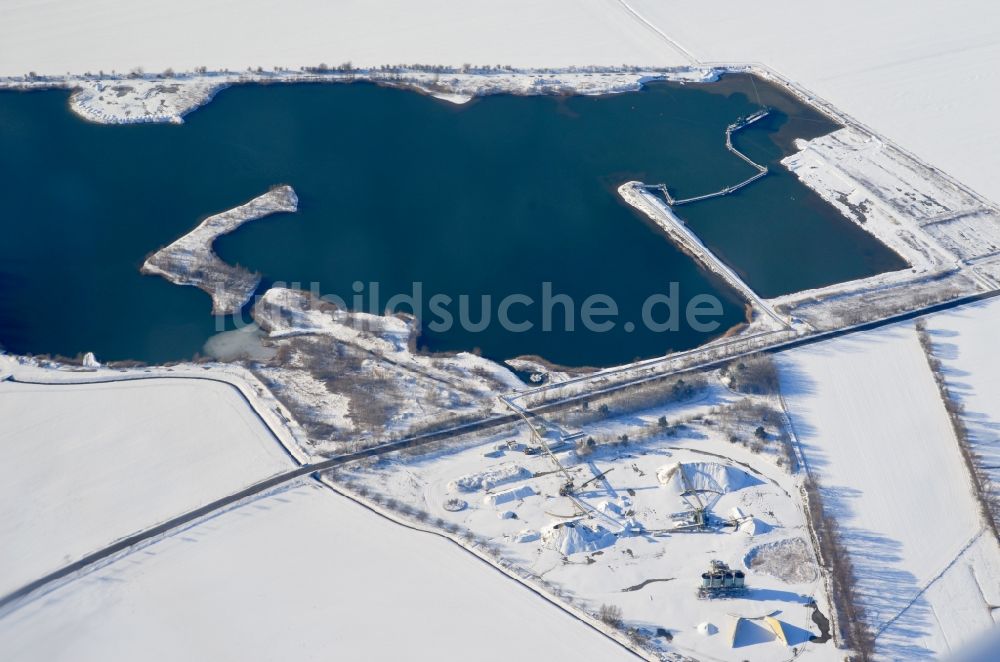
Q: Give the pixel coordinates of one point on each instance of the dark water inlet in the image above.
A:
(491, 198)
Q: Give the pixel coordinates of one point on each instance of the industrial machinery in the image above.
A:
(720, 581)
(699, 517)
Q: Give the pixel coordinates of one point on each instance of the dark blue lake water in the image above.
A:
(492, 198)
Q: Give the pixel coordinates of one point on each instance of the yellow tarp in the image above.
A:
(778, 628)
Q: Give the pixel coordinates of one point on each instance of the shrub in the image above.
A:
(753, 374)
(610, 615)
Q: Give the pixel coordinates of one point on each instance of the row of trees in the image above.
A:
(349, 68)
(989, 499)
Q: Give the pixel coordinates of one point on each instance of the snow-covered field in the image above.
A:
(84, 465)
(299, 574)
(63, 35)
(876, 437)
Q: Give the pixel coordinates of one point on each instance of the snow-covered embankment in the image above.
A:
(191, 261)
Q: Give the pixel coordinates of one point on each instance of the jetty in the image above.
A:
(741, 123)
(651, 205)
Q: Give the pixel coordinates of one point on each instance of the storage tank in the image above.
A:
(717, 580)
(728, 580)
(706, 580)
(739, 579)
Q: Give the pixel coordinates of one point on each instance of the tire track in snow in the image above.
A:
(885, 626)
(663, 35)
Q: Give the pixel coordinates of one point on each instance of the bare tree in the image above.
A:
(610, 615)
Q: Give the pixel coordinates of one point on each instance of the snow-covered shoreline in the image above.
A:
(948, 234)
(129, 99)
(190, 260)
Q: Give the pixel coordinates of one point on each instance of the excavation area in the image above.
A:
(674, 514)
